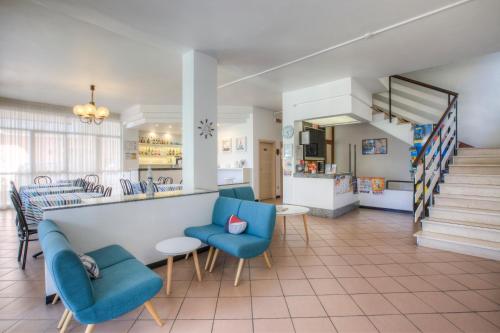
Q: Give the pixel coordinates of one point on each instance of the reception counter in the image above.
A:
(136, 222)
(327, 195)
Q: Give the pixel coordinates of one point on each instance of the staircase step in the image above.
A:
(478, 151)
(467, 201)
(464, 245)
(469, 189)
(474, 160)
(481, 169)
(465, 229)
(465, 214)
(472, 179)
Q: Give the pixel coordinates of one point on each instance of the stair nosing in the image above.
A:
(478, 211)
(467, 197)
(457, 239)
(470, 224)
(486, 186)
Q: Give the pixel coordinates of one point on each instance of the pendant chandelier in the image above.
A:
(89, 113)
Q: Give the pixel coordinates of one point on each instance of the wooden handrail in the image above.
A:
(436, 129)
(426, 85)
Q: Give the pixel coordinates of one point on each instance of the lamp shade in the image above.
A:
(102, 112)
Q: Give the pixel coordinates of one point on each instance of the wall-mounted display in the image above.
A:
(227, 145)
(343, 184)
(240, 144)
(374, 146)
(375, 185)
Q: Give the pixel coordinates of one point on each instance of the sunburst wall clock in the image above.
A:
(206, 128)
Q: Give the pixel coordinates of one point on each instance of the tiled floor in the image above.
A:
(359, 273)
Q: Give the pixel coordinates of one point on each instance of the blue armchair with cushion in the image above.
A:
(242, 193)
(253, 242)
(124, 283)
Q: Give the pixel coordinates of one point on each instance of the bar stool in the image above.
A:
(179, 246)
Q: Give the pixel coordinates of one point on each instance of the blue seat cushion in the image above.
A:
(110, 255)
(122, 288)
(242, 246)
(227, 192)
(204, 232)
(244, 193)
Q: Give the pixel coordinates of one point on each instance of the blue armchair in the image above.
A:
(242, 193)
(124, 284)
(253, 242)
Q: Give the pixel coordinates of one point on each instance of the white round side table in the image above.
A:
(177, 246)
(292, 210)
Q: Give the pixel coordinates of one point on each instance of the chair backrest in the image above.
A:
(40, 180)
(244, 193)
(168, 180)
(22, 225)
(89, 187)
(143, 185)
(98, 189)
(70, 277)
(14, 190)
(92, 178)
(161, 180)
(126, 186)
(224, 207)
(107, 191)
(260, 217)
(227, 192)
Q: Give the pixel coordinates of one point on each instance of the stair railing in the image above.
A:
(432, 161)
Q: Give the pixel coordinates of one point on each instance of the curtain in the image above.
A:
(40, 139)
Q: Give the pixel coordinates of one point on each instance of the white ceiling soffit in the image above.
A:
(132, 49)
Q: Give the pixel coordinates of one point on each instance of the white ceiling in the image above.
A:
(51, 50)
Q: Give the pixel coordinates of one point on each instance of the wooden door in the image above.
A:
(266, 171)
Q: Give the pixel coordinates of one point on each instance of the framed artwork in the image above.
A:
(374, 146)
(227, 145)
(240, 144)
(288, 150)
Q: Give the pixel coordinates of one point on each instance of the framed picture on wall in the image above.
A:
(374, 146)
(240, 144)
(227, 145)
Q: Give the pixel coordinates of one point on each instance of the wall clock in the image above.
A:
(206, 128)
(288, 132)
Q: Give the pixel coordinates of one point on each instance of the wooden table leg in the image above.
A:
(170, 267)
(209, 257)
(304, 217)
(197, 265)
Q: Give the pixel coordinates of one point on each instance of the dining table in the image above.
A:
(28, 193)
(33, 209)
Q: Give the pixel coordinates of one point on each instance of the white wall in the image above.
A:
(232, 131)
(393, 165)
(477, 80)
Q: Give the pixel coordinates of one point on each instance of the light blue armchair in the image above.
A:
(253, 242)
(124, 284)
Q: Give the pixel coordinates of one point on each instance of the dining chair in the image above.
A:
(98, 189)
(14, 190)
(79, 182)
(161, 180)
(24, 231)
(144, 187)
(107, 191)
(168, 180)
(41, 180)
(89, 187)
(92, 178)
(126, 186)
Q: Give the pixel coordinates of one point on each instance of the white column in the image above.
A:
(199, 109)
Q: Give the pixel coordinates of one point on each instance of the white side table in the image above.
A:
(179, 246)
(291, 210)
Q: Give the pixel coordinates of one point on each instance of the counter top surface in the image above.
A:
(129, 198)
(320, 175)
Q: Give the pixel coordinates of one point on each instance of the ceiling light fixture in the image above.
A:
(89, 113)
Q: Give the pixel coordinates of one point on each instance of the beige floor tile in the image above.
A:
(313, 325)
(493, 317)
(296, 287)
(317, 272)
(233, 326)
(227, 289)
(409, 303)
(471, 322)
(234, 308)
(415, 283)
(32, 326)
(198, 308)
(471, 281)
(273, 325)
(444, 282)
(167, 308)
(305, 306)
(441, 302)
(393, 324)
(432, 323)
(340, 305)
(266, 288)
(343, 271)
(492, 295)
(394, 270)
(191, 326)
(309, 260)
(356, 285)
(386, 284)
(326, 286)
(445, 268)
(269, 307)
(114, 326)
(324, 251)
(369, 270)
(472, 300)
(374, 304)
(354, 324)
(150, 326)
(203, 289)
(356, 259)
(261, 273)
(287, 273)
(379, 259)
(332, 260)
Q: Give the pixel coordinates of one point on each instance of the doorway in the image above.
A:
(267, 170)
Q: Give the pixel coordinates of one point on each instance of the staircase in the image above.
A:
(465, 216)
